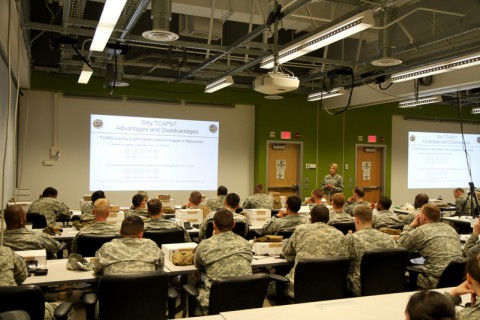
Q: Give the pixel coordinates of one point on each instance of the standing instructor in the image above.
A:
(333, 183)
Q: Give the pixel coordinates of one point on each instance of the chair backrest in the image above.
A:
(286, 233)
(133, 296)
(15, 315)
(37, 219)
(321, 279)
(238, 293)
(161, 236)
(398, 226)
(383, 271)
(89, 243)
(453, 275)
(344, 226)
(28, 298)
(239, 228)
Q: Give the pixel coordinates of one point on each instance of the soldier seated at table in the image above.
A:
(50, 207)
(217, 202)
(158, 222)
(259, 200)
(139, 206)
(286, 220)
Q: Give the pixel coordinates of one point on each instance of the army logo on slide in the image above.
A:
(97, 123)
(412, 138)
(213, 128)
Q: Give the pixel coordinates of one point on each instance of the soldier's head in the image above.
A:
(101, 209)
(223, 221)
(138, 201)
(293, 204)
(338, 201)
(145, 195)
(232, 201)
(319, 213)
(15, 217)
(473, 271)
(457, 192)
(420, 200)
(222, 191)
(50, 192)
(195, 198)
(429, 305)
(384, 203)
(429, 213)
(98, 195)
(362, 217)
(333, 168)
(154, 207)
(258, 188)
(317, 195)
(132, 227)
(359, 192)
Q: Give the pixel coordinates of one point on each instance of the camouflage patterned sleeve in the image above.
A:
(349, 244)
(202, 229)
(289, 248)
(247, 204)
(19, 269)
(199, 263)
(407, 239)
(161, 261)
(50, 244)
(63, 211)
(269, 227)
(338, 185)
(97, 266)
(472, 247)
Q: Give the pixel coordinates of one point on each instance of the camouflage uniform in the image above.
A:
(289, 222)
(202, 229)
(126, 255)
(162, 224)
(215, 203)
(23, 239)
(142, 212)
(13, 269)
(385, 218)
(351, 206)
(338, 217)
(359, 242)
(336, 181)
(438, 243)
(463, 206)
(407, 219)
(223, 255)
(87, 211)
(470, 313)
(312, 240)
(98, 227)
(472, 247)
(259, 201)
(51, 208)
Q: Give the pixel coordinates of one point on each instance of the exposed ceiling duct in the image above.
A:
(161, 16)
(386, 41)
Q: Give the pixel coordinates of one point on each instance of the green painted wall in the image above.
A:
(337, 135)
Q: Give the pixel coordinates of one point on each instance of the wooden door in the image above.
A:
(283, 172)
(369, 171)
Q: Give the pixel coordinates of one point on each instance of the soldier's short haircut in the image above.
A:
(386, 202)
(154, 206)
(294, 203)
(99, 194)
(360, 191)
(137, 200)
(317, 193)
(363, 213)
(101, 206)
(223, 219)
(49, 192)
(258, 188)
(222, 191)
(232, 200)
(13, 215)
(195, 198)
(338, 200)
(320, 213)
(473, 266)
(461, 190)
(429, 305)
(420, 200)
(132, 226)
(431, 212)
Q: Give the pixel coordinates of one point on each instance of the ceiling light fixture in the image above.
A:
(418, 102)
(110, 14)
(219, 84)
(436, 68)
(85, 74)
(325, 37)
(476, 110)
(326, 94)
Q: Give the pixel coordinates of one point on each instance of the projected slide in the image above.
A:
(134, 153)
(437, 160)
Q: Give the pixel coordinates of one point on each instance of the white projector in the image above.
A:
(275, 83)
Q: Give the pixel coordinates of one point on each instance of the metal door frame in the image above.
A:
(384, 164)
(300, 163)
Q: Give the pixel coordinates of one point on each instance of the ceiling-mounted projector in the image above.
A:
(275, 83)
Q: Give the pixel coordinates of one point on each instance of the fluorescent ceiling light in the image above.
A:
(325, 37)
(414, 103)
(219, 84)
(86, 74)
(326, 94)
(436, 68)
(110, 14)
(476, 110)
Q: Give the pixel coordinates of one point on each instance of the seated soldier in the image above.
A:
(339, 215)
(50, 207)
(217, 202)
(286, 220)
(87, 206)
(156, 220)
(356, 200)
(194, 202)
(139, 204)
(259, 200)
(384, 217)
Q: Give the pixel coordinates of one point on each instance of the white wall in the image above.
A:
(400, 127)
(67, 122)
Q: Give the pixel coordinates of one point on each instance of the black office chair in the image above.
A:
(37, 220)
(15, 315)
(286, 233)
(132, 296)
(382, 271)
(453, 275)
(239, 229)
(316, 279)
(252, 290)
(161, 236)
(88, 243)
(30, 299)
(344, 226)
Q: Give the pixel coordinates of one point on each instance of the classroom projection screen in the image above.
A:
(137, 153)
(437, 160)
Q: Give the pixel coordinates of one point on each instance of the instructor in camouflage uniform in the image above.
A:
(333, 182)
